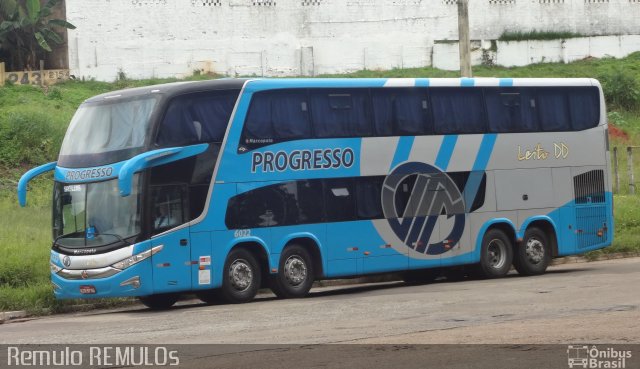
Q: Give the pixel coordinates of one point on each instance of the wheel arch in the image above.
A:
(258, 249)
(547, 225)
(311, 244)
(503, 224)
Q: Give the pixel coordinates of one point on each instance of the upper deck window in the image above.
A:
(200, 117)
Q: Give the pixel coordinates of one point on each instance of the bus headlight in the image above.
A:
(135, 259)
(55, 268)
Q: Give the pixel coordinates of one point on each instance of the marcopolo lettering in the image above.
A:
(280, 161)
(78, 175)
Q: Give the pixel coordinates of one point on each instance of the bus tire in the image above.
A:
(295, 273)
(533, 254)
(241, 277)
(496, 254)
(160, 301)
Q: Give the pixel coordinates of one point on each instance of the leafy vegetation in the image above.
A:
(537, 35)
(32, 123)
(27, 31)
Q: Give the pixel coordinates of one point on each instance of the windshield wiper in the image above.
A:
(116, 236)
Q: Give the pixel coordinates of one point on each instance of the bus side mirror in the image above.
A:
(27, 177)
(153, 159)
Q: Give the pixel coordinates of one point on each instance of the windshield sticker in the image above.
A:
(72, 188)
(74, 175)
(268, 161)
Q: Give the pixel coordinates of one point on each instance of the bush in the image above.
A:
(621, 89)
(29, 137)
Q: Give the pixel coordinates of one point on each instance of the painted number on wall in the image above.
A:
(37, 77)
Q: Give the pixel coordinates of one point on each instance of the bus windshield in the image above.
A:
(94, 214)
(109, 126)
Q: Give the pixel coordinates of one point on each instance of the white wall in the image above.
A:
(163, 38)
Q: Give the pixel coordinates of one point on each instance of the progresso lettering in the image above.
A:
(75, 175)
(280, 161)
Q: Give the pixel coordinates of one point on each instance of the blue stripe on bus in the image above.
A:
(267, 84)
(477, 172)
(467, 82)
(422, 82)
(506, 82)
(405, 143)
(446, 150)
(484, 153)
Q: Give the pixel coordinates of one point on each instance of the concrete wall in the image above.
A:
(162, 38)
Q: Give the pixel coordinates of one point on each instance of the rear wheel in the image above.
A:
(241, 277)
(533, 254)
(159, 301)
(295, 273)
(496, 254)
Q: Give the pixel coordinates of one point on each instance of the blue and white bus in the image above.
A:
(221, 187)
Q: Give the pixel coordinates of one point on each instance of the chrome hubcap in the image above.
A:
(240, 274)
(295, 270)
(497, 254)
(534, 250)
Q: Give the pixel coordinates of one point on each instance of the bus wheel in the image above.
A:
(241, 277)
(295, 273)
(533, 255)
(496, 254)
(159, 301)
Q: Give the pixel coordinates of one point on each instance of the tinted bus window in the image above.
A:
(584, 106)
(277, 115)
(457, 110)
(196, 118)
(401, 112)
(340, 113)
(369, 197)
(511, 110)
(339, 200)
(553, 109)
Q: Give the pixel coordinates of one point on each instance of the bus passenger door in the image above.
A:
(172, 265)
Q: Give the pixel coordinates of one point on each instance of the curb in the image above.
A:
(8, 316)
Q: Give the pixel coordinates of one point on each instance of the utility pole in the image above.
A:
(463, 38)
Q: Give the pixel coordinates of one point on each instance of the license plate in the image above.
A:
(87, 290)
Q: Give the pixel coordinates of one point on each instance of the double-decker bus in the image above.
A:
(221, 187)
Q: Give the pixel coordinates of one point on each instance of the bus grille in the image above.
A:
(591, 226)
(589, 187)
(591, 210)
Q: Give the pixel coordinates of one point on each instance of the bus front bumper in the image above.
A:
(133, 281)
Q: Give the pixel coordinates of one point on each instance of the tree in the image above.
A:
(27, 31)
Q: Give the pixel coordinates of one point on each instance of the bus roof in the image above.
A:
(177, 88)
(174, 88)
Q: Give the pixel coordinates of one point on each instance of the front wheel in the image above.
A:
(533, 255)
(159, 301)
(295, 273)
(496, 254)
(241, 277)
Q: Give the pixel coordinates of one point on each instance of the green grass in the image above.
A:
(537, 35)
(33, 122)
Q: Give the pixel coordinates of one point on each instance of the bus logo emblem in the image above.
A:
(414, 196)
(66, 261)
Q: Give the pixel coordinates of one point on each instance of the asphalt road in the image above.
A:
(586, 302)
